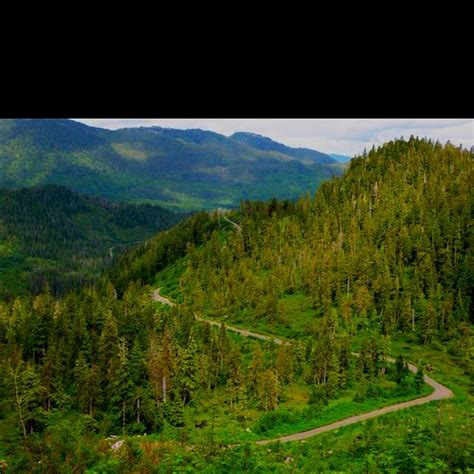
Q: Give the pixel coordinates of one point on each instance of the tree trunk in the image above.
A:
(18, 402)
(123, 417)
(276, 389)
(138, 410)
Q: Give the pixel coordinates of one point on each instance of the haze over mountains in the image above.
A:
(181, 169)
(340, 158)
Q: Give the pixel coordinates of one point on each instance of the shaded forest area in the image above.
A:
(52, 236)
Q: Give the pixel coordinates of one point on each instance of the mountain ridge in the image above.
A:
(306, 155)
(180, 169)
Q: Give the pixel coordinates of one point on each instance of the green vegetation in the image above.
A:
(179, 169)
(380, 262)
(52, 236)
(388, 247)
(428, 438)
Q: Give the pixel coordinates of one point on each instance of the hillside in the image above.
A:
(180, 169)
(390, 243)
(379, 262)
(51, 234)
(304, 155)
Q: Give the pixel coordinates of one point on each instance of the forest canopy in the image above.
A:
(52, 236)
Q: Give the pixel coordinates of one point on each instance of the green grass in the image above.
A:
(298, 316)
(339, 409)
(296, 415)
(168, 280)
(298, 313)
(435, 437)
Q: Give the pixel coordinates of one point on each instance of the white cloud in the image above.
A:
(344, 136)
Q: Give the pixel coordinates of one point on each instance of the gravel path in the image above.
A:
(157, 297)
(440, 392)
(237, 226)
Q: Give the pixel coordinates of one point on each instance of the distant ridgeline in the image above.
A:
(180, 169)
(52, 235)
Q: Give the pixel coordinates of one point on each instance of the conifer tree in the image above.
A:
(419, 379)
(108, 350)
(187, 376)
(122, 385)
(255, 384)
(27, 394)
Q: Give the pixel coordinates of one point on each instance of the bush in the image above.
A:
(88, 424)
(455, 349)
(174, 412)
(269, 420)
(437, 345)
(318, 395)
(136, 429)
(373, 391)
(360, 394)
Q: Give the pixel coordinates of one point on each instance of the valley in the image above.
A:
(52, 236)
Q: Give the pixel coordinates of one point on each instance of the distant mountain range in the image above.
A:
(341, 158)
(181, 169)
(304, 155)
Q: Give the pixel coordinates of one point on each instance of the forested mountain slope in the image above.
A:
(379, 261)
(304, 155)
(185, 169)
(390, 243)
(49, 234)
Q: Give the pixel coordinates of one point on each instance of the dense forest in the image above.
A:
(52, 236)
(379, 261)
(390, 244)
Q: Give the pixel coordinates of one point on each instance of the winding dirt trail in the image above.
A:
(237, 226)
(243, 332)
(440, 392)
(161, 299)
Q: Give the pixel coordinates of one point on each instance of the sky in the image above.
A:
(339, 136)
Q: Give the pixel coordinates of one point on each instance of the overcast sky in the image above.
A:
(342, 136)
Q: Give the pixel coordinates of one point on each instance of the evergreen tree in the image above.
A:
(108, 352)
(419, 379)
(122, 386)
(187, 376)
(27, 394)
(401, 369)
(254, 377)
